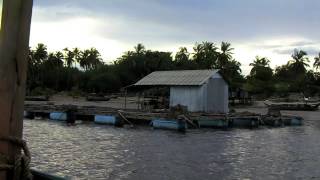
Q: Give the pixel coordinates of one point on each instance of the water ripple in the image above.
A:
(89, 151)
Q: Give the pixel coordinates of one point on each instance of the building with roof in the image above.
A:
(199, 90)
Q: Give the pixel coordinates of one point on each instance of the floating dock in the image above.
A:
(159, 119)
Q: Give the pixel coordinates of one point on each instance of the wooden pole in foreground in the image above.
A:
(14, 47)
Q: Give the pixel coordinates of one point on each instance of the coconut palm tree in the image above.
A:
(77, 53)
(261, 69)
(69, 57)
(182, 57)
(316, 63)
(299, 62)
(139, 49)
(225, 55)
(40, 54)
(262, 62)
(226, 49)
(205, 55)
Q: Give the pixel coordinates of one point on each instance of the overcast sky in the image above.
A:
(272, 28)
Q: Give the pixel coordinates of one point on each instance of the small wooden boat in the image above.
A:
(37, 98)
(37, 175)
(98, 98)
(294, 106)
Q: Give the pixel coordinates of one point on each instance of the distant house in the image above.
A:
(199, 90)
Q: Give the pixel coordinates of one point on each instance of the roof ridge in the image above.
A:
(178, 77)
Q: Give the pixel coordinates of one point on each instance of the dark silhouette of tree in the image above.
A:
(40, 54)
(316, 63)
(299, 62)
(83, 69)
(139, 49)
(182, 60)
(89, 59)
(225, 55)
(261, 76)
(261, 68)
(69, 57)
(205, 55)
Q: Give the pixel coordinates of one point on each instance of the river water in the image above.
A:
(89, 151)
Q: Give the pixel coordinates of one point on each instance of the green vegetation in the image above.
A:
(76, 70)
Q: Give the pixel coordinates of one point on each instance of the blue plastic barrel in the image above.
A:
(105, 119)
(169, 124)
(244, 122)
(60, 116)
(296, 121)
(292, 120)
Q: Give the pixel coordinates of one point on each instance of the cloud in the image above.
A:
(312, 51)
(206, 20)
(268, 28)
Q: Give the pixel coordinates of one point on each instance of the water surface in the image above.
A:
(89, 151)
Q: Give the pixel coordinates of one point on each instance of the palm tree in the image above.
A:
(182, 56)
(83, 59)
(205, 55)
(77, 54)
(55, 61)
(94, 58)
(69, 57)
(316, 63)
(40, 54)
(90, 59)
(225, 55)
(299, 62)
(261, 68)
(262, 62)
(226, 49)
(139, 49)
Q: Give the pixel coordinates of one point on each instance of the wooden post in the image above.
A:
(14, 46)
(125, 98)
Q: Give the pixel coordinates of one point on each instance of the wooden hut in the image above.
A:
(199, 90)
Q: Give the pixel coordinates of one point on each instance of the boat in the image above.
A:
(294, 106)
(97, 98)
(38, 175)
(37, 98)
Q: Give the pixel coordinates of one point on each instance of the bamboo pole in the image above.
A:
(14, 45)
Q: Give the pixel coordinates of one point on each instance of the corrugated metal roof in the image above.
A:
(177, 78)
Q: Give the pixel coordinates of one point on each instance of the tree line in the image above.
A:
(83, 70)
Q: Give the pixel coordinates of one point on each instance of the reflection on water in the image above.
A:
(89, 151)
